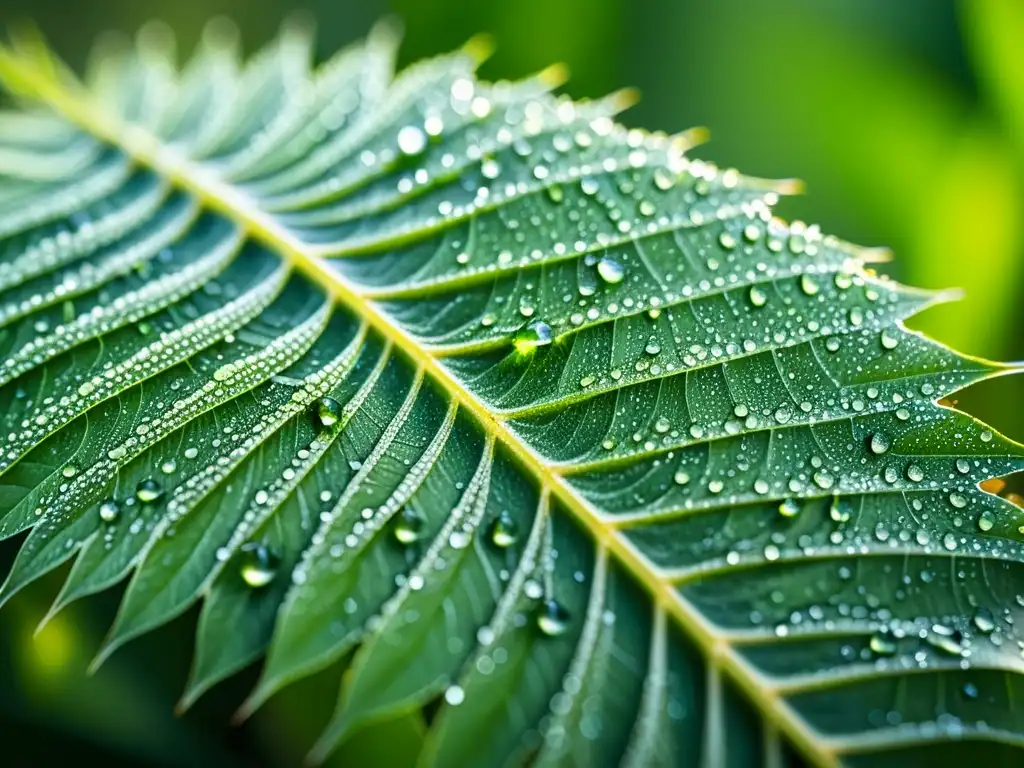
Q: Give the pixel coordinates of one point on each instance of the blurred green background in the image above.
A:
(906, 120)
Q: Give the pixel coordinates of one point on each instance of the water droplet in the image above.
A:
(963, 466)
(553, 619)
(504, 531)
(789, 508)
(882, 644)
(983, 621)
(408, 526)
(610, 270)
(757, 297)
(914, 473)
(535, 334)
(109, 511)
(259, 565)
(985, 523)
(808, 285)
(454, 695)
(958, 500)
(889, 339)
(411, 140)
(879, 443)
(824, 479)
(328, 411)
(662, 425)
(149, 491)
(681, 478)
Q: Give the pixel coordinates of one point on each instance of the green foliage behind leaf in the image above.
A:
(553, 428)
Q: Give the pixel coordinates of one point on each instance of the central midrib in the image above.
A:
(147, 151)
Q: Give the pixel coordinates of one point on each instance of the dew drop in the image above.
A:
(535, 334)
(553, 619)
(914, 473)
(879, 443)
(610, 270)
(504, 531)
(889, 339)
(757, 297)
(789, 508)
(109, 511)
(411, 140)
(808, 285)
(408, 526)
(882, 644)
(149, 491)
(983, 621)
(259, 565)
(328, 411)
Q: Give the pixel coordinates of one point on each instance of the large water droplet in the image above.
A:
(149, 491)
(109, 511)
(610, 270)
(504, 531)
(411, 140)
(408, 526)
(879, 443)
(553, 618)
(535, 334)
(789, 508)
(328, 411)
(259, 565)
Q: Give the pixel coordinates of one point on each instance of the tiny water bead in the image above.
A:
(259, 565)
(328, 411)
(553, 618)
(149, 491)
(758, 297)
(504, 531)
(534, 334)
(110, 510)
(408, 526)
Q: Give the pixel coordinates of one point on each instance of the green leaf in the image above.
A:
(553, 428)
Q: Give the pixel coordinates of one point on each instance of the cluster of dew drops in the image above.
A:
(259, 563)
